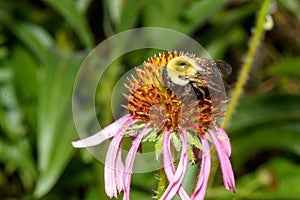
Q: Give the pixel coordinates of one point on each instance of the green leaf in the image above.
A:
(129, 15)
(59, 157)
(200, 11)
(10, 112)
(35, 37)
(287, 174)
(236, 15)
(55, 127)
(264, 123)
(292, 6)
(163, 14)
(262, 109)
(276, 179)
(286, 67)
(18, 154)
(252, 141)
(219, 45)
(25, 81)
(77, 20)
(25, 73)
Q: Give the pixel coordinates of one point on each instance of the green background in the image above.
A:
(42, 44)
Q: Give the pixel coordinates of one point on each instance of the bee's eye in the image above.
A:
(181, 64)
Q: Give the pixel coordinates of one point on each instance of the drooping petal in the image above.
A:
(130, 160)
(224, 141)
(104, 134)
(200, 189)
(119, 171)
(222, 150)
(175, 183)
(169, 167)
(113, 170)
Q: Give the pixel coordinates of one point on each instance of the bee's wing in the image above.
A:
(212, 72)
(223, 66)
(209, 66)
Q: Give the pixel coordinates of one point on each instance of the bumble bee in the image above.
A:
(184, 73)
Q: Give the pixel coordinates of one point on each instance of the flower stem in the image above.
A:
(253, 46)
(162, 183)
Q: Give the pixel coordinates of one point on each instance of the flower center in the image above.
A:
(153, 98)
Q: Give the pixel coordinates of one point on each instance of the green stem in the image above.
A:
(254, 43)
(162, 183)
(214, 167)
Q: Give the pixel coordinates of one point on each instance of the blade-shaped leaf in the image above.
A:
(286, 67)
(264, 123)
(199, 12)
(282, 136)
(55, 124)
(35, 37)
(263, 109)
(77, 20)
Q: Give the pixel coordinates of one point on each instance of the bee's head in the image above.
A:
(179, 68)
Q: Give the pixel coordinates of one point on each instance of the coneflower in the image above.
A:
(173, 97)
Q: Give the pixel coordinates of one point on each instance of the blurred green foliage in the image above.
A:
(42, 44)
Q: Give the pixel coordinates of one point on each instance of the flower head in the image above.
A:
(174, 98)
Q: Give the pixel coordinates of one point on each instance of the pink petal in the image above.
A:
(114, 166)
(111, 172)
(119, 171)
(224, 141)
(104, 134)
(169, 166)
(175, 183)
(130, 160)
(201, 186)
(222, 147)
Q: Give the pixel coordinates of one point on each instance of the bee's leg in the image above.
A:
(204, 95)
